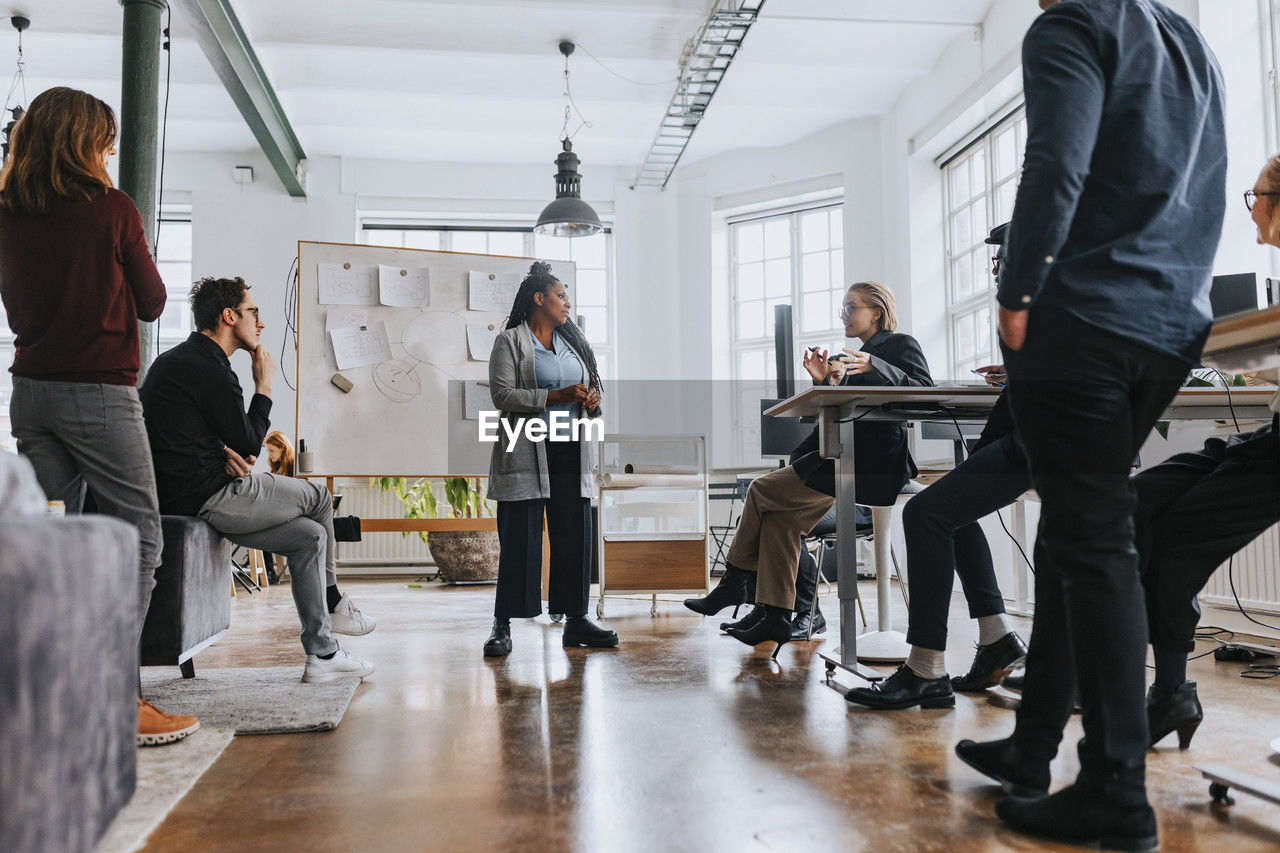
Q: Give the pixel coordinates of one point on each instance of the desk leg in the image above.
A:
(1021, 572)
(847, 562)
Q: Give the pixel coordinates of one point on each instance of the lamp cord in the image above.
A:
(569, 103)
(19, 77)
(594, 59)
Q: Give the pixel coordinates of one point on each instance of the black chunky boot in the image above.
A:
(775, 626)
(754, 615)
(736, 588)
(1112, 817)
(499, 642)
(581, 631)
(1173, 710)
(1018, 773)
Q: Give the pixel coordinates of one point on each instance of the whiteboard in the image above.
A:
(401, 413)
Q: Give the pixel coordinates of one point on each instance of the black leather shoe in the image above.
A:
(800, 626)
(775, 625)
(1085, 815)
(1002, 761)
(1173, 710)
(905, 689)
(992, 663)
(499, 642)
(754, 615)
(736, 588)
(581, 631)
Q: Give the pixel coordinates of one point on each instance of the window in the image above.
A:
(794, 258)
(173, 244)
(593, 257)
(979, 186)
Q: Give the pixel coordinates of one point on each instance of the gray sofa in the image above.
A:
(191, 605)
(68, 713)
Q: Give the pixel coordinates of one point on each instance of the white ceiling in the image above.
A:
(480, 80)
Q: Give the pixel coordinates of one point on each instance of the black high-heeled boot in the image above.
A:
(1173, 710)
(754, 615)
(736, 588)
(499, 642)
(776, 626)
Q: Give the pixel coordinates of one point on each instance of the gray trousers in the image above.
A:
(78, 434)
(289, 517)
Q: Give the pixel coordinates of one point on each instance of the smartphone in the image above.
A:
(984, 376)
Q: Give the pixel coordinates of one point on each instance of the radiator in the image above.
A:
(377, 549)
(1257, 576)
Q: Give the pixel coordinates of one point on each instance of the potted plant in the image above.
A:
(462, 556)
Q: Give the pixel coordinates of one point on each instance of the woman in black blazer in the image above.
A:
(784, 505)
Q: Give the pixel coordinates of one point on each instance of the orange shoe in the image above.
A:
(155, 727)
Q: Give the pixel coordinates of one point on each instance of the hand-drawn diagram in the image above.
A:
(361, 346)
(347, 284)
(491, 291)
(480, 338)
(397, 381)
(403, 287)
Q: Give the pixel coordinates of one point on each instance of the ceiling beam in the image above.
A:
(225, 45)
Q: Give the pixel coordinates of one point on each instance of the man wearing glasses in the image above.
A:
(204, 444)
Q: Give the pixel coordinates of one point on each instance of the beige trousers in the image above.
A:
(778, 511)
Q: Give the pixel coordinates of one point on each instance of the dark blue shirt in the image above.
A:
(1123, 189)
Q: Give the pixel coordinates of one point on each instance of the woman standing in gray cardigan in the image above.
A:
(542, 365)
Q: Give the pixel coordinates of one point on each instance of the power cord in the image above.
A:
(290, 317)
(1230, 405)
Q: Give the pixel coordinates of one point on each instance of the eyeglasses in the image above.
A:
(849, 309)
(253, 311)
(1251, 198)
(996, 263)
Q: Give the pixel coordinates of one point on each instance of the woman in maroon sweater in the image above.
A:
(76, 276)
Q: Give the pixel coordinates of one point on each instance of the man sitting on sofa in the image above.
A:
(204, 444)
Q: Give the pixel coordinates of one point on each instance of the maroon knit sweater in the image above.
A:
(75, 281)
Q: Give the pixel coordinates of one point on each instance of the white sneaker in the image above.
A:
(347, 619)
(341, 665)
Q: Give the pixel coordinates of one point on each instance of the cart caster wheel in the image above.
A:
(653, 610)
(557, 617)
(600, 610)
(1221, 794)
(830, 667)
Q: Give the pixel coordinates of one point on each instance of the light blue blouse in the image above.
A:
(557, 369)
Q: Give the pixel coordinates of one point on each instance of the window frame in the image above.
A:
(175, 294)
(980, 301)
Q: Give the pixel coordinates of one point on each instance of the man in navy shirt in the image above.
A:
(1103, 309)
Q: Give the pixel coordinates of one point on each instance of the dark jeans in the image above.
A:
(1194, 511)
(1084, 400)
(944, 538)
(568, 517)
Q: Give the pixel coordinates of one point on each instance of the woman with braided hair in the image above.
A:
(541, 365)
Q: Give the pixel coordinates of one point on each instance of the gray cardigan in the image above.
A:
(521, 475)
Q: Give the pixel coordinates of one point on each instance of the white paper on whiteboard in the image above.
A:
(361, 346)
(487, 291)
(343, 318)
(347, 284)
(403, 287)
(475, 397)
(480, 338)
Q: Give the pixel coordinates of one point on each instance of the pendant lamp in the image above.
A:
(568, 215)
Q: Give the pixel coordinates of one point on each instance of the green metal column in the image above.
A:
(139, 125)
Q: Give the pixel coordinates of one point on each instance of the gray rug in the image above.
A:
(251, 700)
(165, 775)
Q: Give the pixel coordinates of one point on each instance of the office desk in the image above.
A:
(1245, 342)
(839, 408)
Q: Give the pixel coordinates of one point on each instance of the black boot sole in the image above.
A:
(604, 643)
(1102, 842)
(496, 652)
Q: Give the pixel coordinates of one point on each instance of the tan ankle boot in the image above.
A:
(155, 727)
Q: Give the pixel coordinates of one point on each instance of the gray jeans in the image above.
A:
(78, 434)
(289, 517)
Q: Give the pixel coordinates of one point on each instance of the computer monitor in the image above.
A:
(1231, 294)
(780, 436)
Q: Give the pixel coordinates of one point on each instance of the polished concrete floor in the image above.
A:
(682, 739)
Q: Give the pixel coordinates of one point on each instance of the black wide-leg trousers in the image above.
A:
(568, 517)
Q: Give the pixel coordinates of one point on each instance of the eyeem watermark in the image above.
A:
(560, 427)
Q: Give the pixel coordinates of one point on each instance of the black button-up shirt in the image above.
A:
(194, 407)
(1120, 207)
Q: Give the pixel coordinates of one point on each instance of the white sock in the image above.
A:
(992, 628)
(927, 663)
